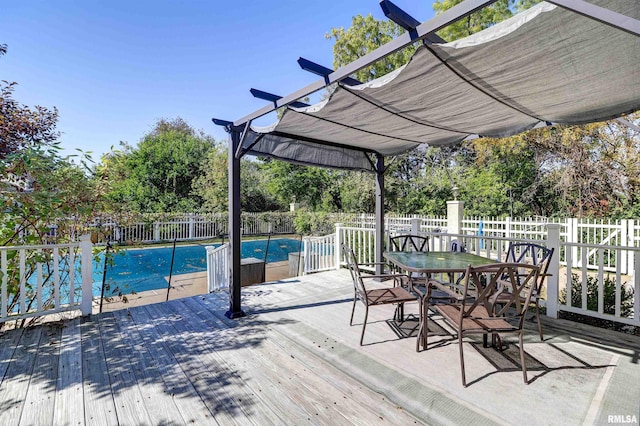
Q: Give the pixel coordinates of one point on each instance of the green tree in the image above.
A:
(295, 183)
(480, 20)
(212, 185)
(590, 170)
(157, 175)
(365, 35)
(21, 126)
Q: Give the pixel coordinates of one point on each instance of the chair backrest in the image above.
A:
(456, 246)
(483, 284)
(534, 254)
(354, 269)
(410, 243)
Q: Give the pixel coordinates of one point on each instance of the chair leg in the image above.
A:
(524, 365)
(538, 319)
(422, 330)
(353, 309)
(464, 379)
(399, 312)
(364, 324)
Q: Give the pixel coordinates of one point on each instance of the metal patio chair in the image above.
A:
(477, 312)
(379, 293)
(533, 254)
(409, 243)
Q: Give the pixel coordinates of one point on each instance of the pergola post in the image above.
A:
(235, 309)
(379, 242)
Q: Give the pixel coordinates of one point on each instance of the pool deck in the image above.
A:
(294, 359)
(184, 285)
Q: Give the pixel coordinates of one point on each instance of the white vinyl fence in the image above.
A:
(193, 226)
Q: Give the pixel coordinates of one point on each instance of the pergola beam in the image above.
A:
(224, 123)
(323, 71)
(423, 30)
(261, 94)
(398, 15)
(604, 15)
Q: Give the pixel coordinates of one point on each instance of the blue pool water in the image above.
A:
(144, 269)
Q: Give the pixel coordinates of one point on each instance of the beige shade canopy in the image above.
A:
(545, 65)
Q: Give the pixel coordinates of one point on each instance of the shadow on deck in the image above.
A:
(295, 360)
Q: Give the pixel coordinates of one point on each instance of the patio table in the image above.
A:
(435, 262)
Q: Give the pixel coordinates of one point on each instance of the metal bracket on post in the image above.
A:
(239, 152)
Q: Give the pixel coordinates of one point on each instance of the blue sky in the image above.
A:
(114, 68)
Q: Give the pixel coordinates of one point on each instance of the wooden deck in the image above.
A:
(295, 360)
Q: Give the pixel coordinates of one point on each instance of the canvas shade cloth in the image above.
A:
(545, 65)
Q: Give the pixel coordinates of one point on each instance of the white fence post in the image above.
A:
(553, 241)
(306, 255)
(455, 213)
(630, 239)
(210, 269)
(338, 246)
(86, 258)
(415, 226)
(572, 237)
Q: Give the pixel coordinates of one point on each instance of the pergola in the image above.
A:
(560, 62)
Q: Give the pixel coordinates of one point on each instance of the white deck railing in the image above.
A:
(218, 271)
(319, 253)
(44, 279)
(592, 263)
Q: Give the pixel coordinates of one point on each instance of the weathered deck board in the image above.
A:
(176, 381)
(240, 355)
(211, 349)
(126, 395)
(295, 360)
(100, 407)
(68, 394)
(39, 403)
(14, 386)
(217, 388)
(160, 404)
(326, 395)
(9, 340)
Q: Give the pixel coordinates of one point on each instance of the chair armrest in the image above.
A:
(372, 263)
(397, 278)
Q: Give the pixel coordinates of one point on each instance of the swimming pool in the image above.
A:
(144, 269)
